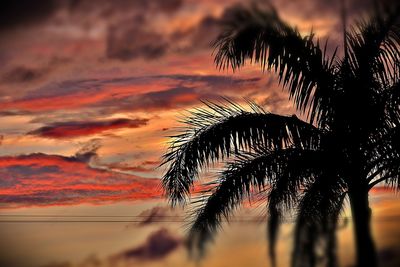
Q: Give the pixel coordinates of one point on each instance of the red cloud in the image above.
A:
(74, 129)
(41, 180)
(146, 93)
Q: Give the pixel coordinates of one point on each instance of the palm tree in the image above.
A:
(349, 143)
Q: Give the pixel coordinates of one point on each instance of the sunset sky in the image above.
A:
(89, 92)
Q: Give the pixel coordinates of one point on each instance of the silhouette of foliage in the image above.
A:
(349, 143)
(218, 132)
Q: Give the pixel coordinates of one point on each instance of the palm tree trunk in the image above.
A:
(361, 212)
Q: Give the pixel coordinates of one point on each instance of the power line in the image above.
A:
(111, 216)
(89, 216)
(43, 218)
(103, 221)
(140, 219)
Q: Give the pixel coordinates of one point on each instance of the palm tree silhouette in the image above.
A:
(349, 143)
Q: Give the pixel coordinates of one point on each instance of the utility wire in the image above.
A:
(140, 219)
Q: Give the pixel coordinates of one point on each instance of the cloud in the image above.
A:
(22, 74)
(146, 93)
(196, 38)
(146, 166)
(130, 30)
(126, 6)
(156, 214)
(158, 245)
(73, 129)
(206, 32)
(88, 151)
(184, 91)
(19, 13)
(389, 256)
(15, 13)
(129, 40)
(39, 180)
(154, 249)
(160, 100)
(58, 264)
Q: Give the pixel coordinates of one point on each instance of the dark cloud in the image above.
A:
(157, 246)
(166, 6)
(144, 167)
(275, 100)
(125, 6)
(104, 94)
(5, 113)
(58, 264)
(172, 98)
(131, 41)
(133, 38)
(212, 80)
(389, 257)
(312, 9)
(129, 35)
(155, 214)
(88, 151)
(73, 129)
(199, 37)
(165, 99)
(204, 33)
(23, 13)
(190, 90)
(22, 74)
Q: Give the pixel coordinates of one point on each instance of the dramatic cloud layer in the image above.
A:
(74, 129)
(109, 79)
(130, 93)
(40, 179)
(119, 71)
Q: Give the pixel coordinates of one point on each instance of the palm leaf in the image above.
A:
(214, 134)
(316, 222)
(251, 172)
(392, 100)
(301, 169)
(261, 36)
(386, 160)
(374, 47)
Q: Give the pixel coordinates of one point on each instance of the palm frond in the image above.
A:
(215, 133)
(316, 222)
(392, 100)
(386, 160)
(301, 169)
(261, 36)
(236, 182)
(374, 47)
(249, 172)
(274, 220)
